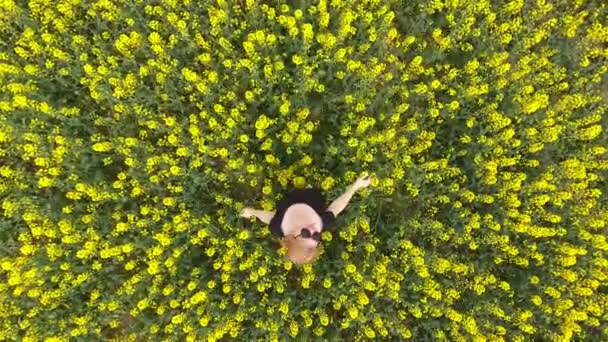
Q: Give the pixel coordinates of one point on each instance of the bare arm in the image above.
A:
(264, 216)
(340, 203)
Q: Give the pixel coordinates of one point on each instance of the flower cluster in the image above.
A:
(132, 133)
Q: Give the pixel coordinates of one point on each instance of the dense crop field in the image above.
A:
(133, 132)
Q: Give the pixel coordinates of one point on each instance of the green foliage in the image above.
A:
(133, 132)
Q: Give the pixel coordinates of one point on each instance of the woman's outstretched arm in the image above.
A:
(338, 205)
(264, 216)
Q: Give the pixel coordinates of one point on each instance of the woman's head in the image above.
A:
(300, 250)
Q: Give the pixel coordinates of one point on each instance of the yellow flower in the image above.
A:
(175, 170)
(534, 280)
(293, 329)
(353, 312)
(102, 147)
(327, 183)
(45, 182)
(589, 133)
(297, 59)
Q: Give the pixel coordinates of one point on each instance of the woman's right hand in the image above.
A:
(246, 212)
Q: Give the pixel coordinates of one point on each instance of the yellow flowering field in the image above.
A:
(133, 132)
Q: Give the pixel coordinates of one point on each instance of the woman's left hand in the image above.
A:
(362, 182)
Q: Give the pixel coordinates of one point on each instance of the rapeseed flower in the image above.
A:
(128, 150)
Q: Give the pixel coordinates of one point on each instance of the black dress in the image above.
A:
(312, 197)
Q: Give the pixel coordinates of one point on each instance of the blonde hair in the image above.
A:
(297, 252)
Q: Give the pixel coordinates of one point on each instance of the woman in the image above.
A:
(300, 218)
